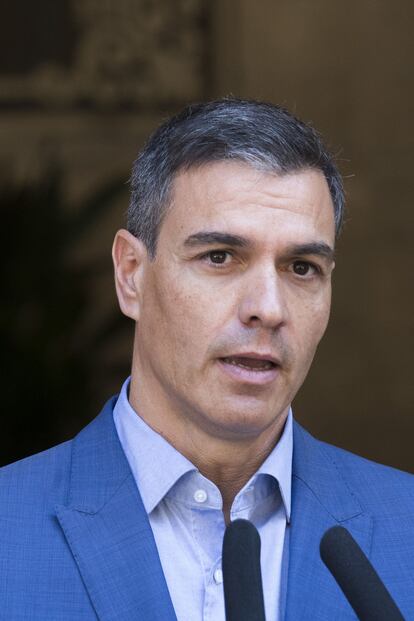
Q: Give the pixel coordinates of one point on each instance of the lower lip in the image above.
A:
(248, 376)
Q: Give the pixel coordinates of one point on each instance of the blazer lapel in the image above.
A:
(320, 499)
(108, 531)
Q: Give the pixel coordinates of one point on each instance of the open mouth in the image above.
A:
(251, 364)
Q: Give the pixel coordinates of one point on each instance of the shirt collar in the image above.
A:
(155, 476)
(278, 464)
(155, 464)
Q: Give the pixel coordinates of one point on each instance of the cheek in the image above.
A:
(311, 322)
(179, 317)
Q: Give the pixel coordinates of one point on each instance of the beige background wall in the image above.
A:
(346, 67)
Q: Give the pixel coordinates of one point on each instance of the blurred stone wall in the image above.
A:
(83, 82)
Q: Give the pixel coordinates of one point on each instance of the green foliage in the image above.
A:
(49, 350)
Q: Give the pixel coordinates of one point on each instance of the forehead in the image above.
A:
(235, 197)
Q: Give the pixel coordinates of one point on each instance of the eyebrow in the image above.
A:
(203, 238)
(316, 248)
(215, 237)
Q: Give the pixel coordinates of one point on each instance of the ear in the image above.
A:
(130, 256)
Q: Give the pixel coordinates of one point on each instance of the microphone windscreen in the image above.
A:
(357, 578)
(242, 578)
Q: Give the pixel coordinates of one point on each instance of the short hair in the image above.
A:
(262, 135)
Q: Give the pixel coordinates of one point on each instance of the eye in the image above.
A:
(303, 268)
(218, 257)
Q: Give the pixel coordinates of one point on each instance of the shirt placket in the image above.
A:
(208, 529)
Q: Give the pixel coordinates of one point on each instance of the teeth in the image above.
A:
(251, 363)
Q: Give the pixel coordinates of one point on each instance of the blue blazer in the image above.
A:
(76, 544)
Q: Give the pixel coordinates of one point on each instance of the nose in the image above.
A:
(263, 300)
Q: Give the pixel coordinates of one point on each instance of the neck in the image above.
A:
(229, 461)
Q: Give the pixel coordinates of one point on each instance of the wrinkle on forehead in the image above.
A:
(242, 179)
(221, 188)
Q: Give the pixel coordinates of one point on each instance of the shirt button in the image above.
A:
(218, 576)
(200, 496)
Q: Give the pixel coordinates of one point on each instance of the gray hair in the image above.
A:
(262, 135)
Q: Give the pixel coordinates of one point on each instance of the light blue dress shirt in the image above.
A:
(185, 513)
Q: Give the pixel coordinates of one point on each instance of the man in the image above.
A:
(226, 269)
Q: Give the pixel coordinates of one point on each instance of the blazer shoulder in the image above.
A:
(378, 486)
(35, 480)
(37, 483)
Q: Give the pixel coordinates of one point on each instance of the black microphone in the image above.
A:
(357, 578)
(242, 578)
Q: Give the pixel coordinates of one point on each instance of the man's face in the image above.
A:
(237, 298)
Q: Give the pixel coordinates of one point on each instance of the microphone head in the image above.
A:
(242, 578)
(356, 577)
